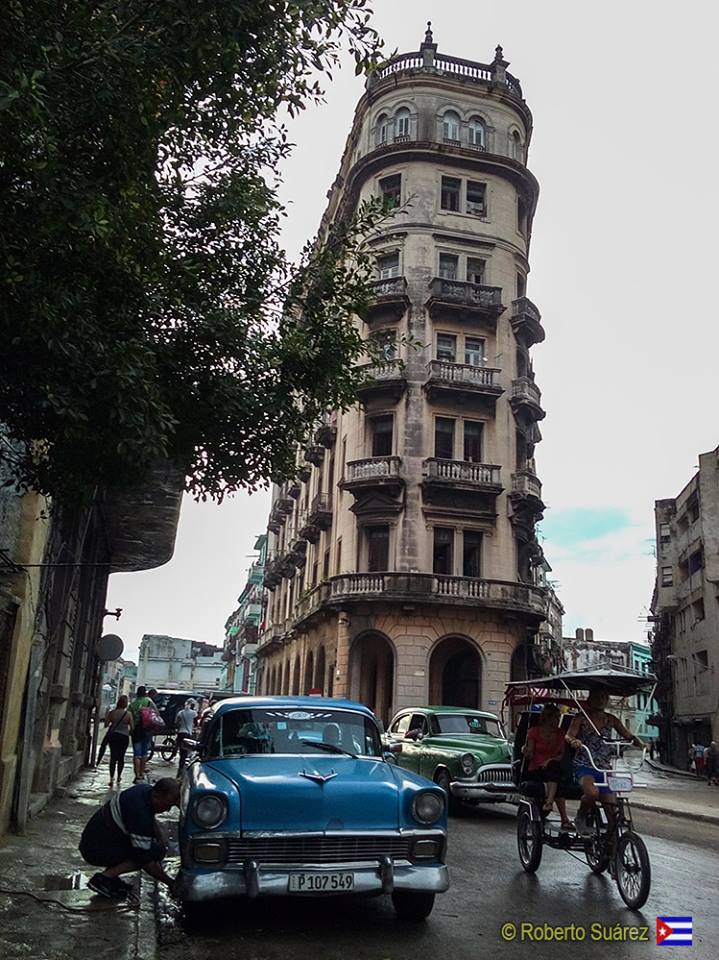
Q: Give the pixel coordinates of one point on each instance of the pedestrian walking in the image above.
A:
(711, 761)
(699, 759)
(119, 723)
(185, 721)
(124, 836)
(141, 732)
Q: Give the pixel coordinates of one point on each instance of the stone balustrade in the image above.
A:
(446, 371)
(464, 471)
(373, 468)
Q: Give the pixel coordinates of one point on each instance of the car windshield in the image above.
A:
(287, 730)
(469, 723)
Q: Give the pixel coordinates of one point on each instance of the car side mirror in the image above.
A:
(394, 747)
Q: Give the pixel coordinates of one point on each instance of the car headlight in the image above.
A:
(468, 764)
(209, 810)
(427, 806)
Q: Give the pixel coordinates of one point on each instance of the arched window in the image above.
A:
(401, 124)
(515, 145)
(450, 125)
(477, 134)
(383, 125)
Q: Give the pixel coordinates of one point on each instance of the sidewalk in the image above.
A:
(673, 771)
(701, 803)
(46, 862)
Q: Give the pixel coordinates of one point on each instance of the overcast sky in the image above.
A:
(624, 103)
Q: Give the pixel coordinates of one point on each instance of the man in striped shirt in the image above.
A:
(124, 836)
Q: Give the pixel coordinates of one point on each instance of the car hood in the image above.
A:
(314, 792)
(486, 749)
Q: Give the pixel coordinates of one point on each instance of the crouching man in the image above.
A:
(124, 836)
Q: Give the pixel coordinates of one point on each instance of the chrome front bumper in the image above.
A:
(252, 879)
(486, 789)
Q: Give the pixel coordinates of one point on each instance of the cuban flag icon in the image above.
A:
(674, 931)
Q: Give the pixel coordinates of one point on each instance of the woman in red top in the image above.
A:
(544, 750)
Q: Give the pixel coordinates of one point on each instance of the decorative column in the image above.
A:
(342, 661)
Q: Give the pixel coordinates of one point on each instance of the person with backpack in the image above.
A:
(142, 709)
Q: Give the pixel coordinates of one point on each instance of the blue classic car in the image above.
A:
(294, 796)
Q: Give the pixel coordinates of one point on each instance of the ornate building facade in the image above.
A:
(403, 564)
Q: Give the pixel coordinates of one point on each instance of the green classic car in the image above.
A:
(461, 750)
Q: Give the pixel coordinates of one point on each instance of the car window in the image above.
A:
(401, 726)
(469, 723)
(419, 723)
(293, 731)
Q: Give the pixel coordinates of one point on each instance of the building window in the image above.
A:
(521, 285)
(473, 441)
(442, 562)
(474, 352)
(401, 124)
(693, 509)
(515, 145)
(477, 137)
(698, 610)
(695, 562)
(450, 126)
(476, 198)
(383, 126)
(444, 438)
(385, 343)
(326, 565)
(390, 189)
(382, 428)
(476, 270)
(377, 549)
(446, 347)
(471, 553)
(450, 193)
(664, 533)
(388, 266)
(314, 574)
(338, 557)
(522, 217)
(667, 578)
(448, 266)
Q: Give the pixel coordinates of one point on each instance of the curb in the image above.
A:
(145, 947)
(672, 812)
(673, 771)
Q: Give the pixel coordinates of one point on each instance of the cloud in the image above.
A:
(579, 524)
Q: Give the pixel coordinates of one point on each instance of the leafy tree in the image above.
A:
(147, 309)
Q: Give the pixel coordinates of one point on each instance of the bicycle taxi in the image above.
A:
(614, 845)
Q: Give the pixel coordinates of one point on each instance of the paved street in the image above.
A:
(489, 888)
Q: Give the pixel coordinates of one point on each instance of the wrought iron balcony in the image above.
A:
(388, 299)
(526, 400)
(463, 381)
(467, 301)
(387, 382)
(526, 322)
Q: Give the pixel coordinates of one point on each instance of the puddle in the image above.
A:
(64, 881)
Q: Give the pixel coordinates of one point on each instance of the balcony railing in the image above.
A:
(526, 321)
(526, 389)
(320, 512)
(463, 374)
(468, 69)
(527, 484)
(373, 468)
(464, 471)
(473, 296)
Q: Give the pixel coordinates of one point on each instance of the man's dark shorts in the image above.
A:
(102, 846)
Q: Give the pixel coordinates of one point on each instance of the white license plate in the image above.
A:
(321, 882)
(620, 783)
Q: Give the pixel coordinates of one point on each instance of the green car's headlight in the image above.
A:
(468, 764)
(209, 811)
(427, 806)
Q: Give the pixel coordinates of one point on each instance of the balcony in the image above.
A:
(294, 489)
(462, 382)
(525, 484)
(272, 574)
(284, 505)
(315, 453)
(525, 504)
(388, 299)
(326, 432)
(526, 322)
(385, 383)
(526, 401)
(373, 473)
(455, 487)
(465, 301)
(320, 512)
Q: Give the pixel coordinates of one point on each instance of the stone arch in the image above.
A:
(309, 672)
(450, 123)
(515, 143)
(455, 672)
(296, 677)
(320, 670)
(372, 672)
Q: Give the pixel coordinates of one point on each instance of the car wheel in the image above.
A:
(442, 779)
(529, 842)
(412, 907)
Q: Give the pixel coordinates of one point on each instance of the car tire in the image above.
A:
(412, 907)
(442, 779)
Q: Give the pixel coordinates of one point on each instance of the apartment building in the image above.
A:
(242, 628)
(403, 563)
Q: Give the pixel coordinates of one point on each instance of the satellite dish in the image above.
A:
(109, 647)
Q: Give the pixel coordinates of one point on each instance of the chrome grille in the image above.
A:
(322, 849)
(495, 775)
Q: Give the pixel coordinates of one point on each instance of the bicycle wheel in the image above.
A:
(597, 856)
(168, 749)
(633, 870)
(529, 842)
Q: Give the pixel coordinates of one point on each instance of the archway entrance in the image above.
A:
(372, 674)
(455, 674)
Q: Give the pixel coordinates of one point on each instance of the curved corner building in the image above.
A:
(405, 567)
